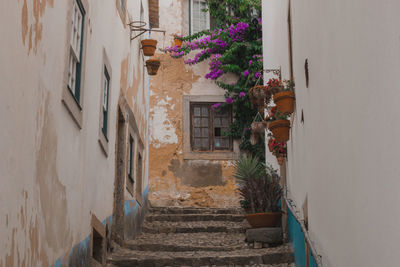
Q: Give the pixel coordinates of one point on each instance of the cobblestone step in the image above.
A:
(188, 242)
(158, 227)
(190, 210)
(194, 217)
(126, 257)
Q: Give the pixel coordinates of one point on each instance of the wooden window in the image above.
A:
(200, 20)
(154, 18)
(208, 127)
(75, 54)
(106, 92)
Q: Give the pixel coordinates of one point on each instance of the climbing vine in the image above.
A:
(235, 46)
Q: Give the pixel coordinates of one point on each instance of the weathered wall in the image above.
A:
(344, 157)
(53, 174)
(175, 180)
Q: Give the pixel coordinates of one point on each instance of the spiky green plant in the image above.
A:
(258, 185)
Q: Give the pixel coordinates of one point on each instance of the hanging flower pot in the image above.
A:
(258, 95)
(284, 101)
(152, 66)
(257, 127)
(280, 159)
(149, 47)
(280, 129)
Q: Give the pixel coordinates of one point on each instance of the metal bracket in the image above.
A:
(139, 26)
(276, 72)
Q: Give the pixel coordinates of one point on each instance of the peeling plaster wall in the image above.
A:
(53, 174)
(173, 179)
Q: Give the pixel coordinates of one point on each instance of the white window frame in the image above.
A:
(192, 13)
(75, 53)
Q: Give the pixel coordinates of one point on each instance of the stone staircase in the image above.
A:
(174, 236)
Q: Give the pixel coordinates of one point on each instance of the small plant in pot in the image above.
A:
(260, 191)
(278, 124)
(278, 149)
(284, 98)
(178, 39)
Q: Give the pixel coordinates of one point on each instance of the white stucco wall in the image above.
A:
(344, 157)
(54, 175)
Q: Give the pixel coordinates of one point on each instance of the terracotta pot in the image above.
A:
(265, 219)
(284, 102)
(178, 42)
(281, 160)
(257, 127)
(258, 96)
(280, 130)
(270, 144)
(152, 66)
(149, 47)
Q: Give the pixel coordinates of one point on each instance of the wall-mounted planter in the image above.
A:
(178, 42)
(284, 101)
(280, 129)
(152, 66)
(149, 47)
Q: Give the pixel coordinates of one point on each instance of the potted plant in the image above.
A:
(149, 47)
(152, 66)
(273, 86)
(278, 124)
(258, 124)
(178, 39)
(284, 98)
(258, 95)
(260, 191)
(279, 149)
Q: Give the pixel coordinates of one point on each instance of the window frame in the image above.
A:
(188, 154)
(104, 117)
(191, 22)
(211, 116)
(73, 98)
(105, 102)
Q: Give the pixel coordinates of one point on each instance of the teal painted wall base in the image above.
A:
(134, 216)
(296, 237)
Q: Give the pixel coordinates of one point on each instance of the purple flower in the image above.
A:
(229, 100)
(250, 62)
(246, 73)
(215, 105)
(257, 75)
(242, 94)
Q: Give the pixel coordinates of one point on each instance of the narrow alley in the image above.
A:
(204, 133)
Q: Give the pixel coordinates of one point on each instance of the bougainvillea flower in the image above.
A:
(242, 94)
(246, 73)
(217, 105)
(229, 100)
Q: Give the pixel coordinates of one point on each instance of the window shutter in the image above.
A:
(154, 13)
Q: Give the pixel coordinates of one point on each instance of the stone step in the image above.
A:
(158, 227)
(126, 257)
(188, 242)
(235, 265)
(191, 210)
(194, 217)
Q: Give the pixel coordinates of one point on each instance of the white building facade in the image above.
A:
(74, 138)
(342, 167)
